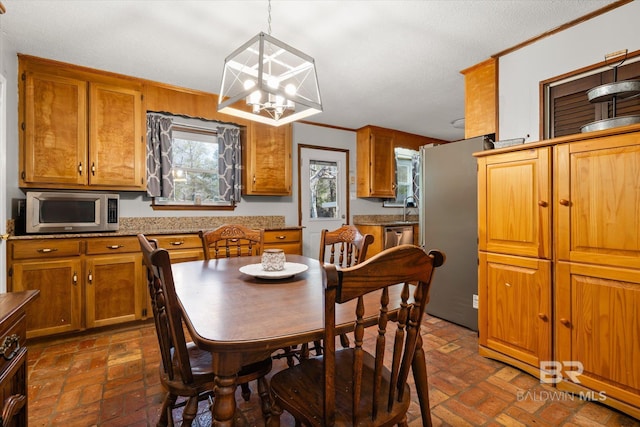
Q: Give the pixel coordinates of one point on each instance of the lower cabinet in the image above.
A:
(80, 285)
(515, 309)
(181, 247)
(289, 239)
(597, 330)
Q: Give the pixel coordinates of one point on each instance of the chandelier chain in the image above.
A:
(269, 19)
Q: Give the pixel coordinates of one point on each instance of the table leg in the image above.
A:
(224, 403)
(419, 367)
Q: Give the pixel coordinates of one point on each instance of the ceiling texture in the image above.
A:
(390, 63)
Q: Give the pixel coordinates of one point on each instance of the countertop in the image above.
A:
(385, 220)
(168, 225)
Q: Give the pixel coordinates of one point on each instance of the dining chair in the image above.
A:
(345, 247)
(357, 386)
(231, 240)
(185, 371)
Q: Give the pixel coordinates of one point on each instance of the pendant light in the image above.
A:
(268, 81)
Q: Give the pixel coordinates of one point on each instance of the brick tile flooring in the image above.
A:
(110, 378)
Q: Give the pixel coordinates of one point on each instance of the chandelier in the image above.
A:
(268, 81)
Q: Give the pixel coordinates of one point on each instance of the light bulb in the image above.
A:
(248, 84)
(273, 83)
(290, 89)
(255, 97)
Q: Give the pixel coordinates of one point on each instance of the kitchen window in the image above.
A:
(407, 173)
(198, 166)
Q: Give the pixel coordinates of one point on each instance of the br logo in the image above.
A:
(552, 371)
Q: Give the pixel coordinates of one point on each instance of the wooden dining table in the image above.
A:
(243, 319)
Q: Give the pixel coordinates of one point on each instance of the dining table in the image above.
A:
(244, 317)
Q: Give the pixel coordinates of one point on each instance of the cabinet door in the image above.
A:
(114, 289)
(597, 324)
(116, 146)
(268, 160)
(382, 167)
(55, 130)
(597, 201)
(514, 193)
(515, 306)
(481, 99)
(59, 307)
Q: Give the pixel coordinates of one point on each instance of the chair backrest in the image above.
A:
(345, 246)
(406, 265)
(231, 240)
(166, 313)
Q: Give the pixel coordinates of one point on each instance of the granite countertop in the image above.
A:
(167, 225)
(384, 220)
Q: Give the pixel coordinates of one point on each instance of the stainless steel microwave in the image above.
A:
(70, 212)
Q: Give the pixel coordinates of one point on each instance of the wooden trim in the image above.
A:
(563, 27)
(324, 125)
(192, 207)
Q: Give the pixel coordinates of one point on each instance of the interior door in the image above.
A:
(323, 194)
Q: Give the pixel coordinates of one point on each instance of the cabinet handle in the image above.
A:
(74, 279)
(46, 250)
(564, 202)
(281, 237)
(93, 169)
(90, 277)
(542, 316)
(177, 243)
(115, 246)
(542, 203)
(254, 179)
(80, 168)
(9, 342)
(565, 322)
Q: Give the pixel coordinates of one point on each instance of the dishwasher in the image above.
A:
(398, 235)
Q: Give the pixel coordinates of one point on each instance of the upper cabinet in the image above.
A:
(267, 160)
(481, 98)
(375, 163)
(79, 130)
(375, 158)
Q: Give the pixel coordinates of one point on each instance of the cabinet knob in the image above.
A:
(75, 278)
(90, 277)
(542, 203)
(564, 202)
(177, 243)
(80, 168)
(93, 168)
(281, 237)
(565, 322)
(543, 316)
(47, 250)
(115, 246)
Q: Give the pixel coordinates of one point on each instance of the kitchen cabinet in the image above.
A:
(375, 163)
(289, 239)
(267, 160)
(84, 283)
(181, 247)
(13, 364)
(79, 129)
(588, 273)
(481, 99)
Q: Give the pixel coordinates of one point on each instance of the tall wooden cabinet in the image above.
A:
(79, 130)
(559, 262)
(514, 240)
(481, 98)
(376, 167)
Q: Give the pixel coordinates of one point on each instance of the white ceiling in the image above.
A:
(390, 63)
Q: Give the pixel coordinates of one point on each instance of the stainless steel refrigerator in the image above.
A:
(449, 221)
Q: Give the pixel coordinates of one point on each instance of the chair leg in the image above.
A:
(165, 414)
(274, 416)
(246, 392)
(265, 399)
(317, 347)
(344, 340)
(190, 411)
(419, 368)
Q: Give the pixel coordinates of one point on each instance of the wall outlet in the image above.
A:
(475, 301)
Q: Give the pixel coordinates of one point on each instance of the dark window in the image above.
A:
(570, 109)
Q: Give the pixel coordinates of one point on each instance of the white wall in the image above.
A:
(520, 72)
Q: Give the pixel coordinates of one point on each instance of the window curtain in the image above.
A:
(229, 163)
(159, 156)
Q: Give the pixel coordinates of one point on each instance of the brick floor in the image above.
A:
(110, 378)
